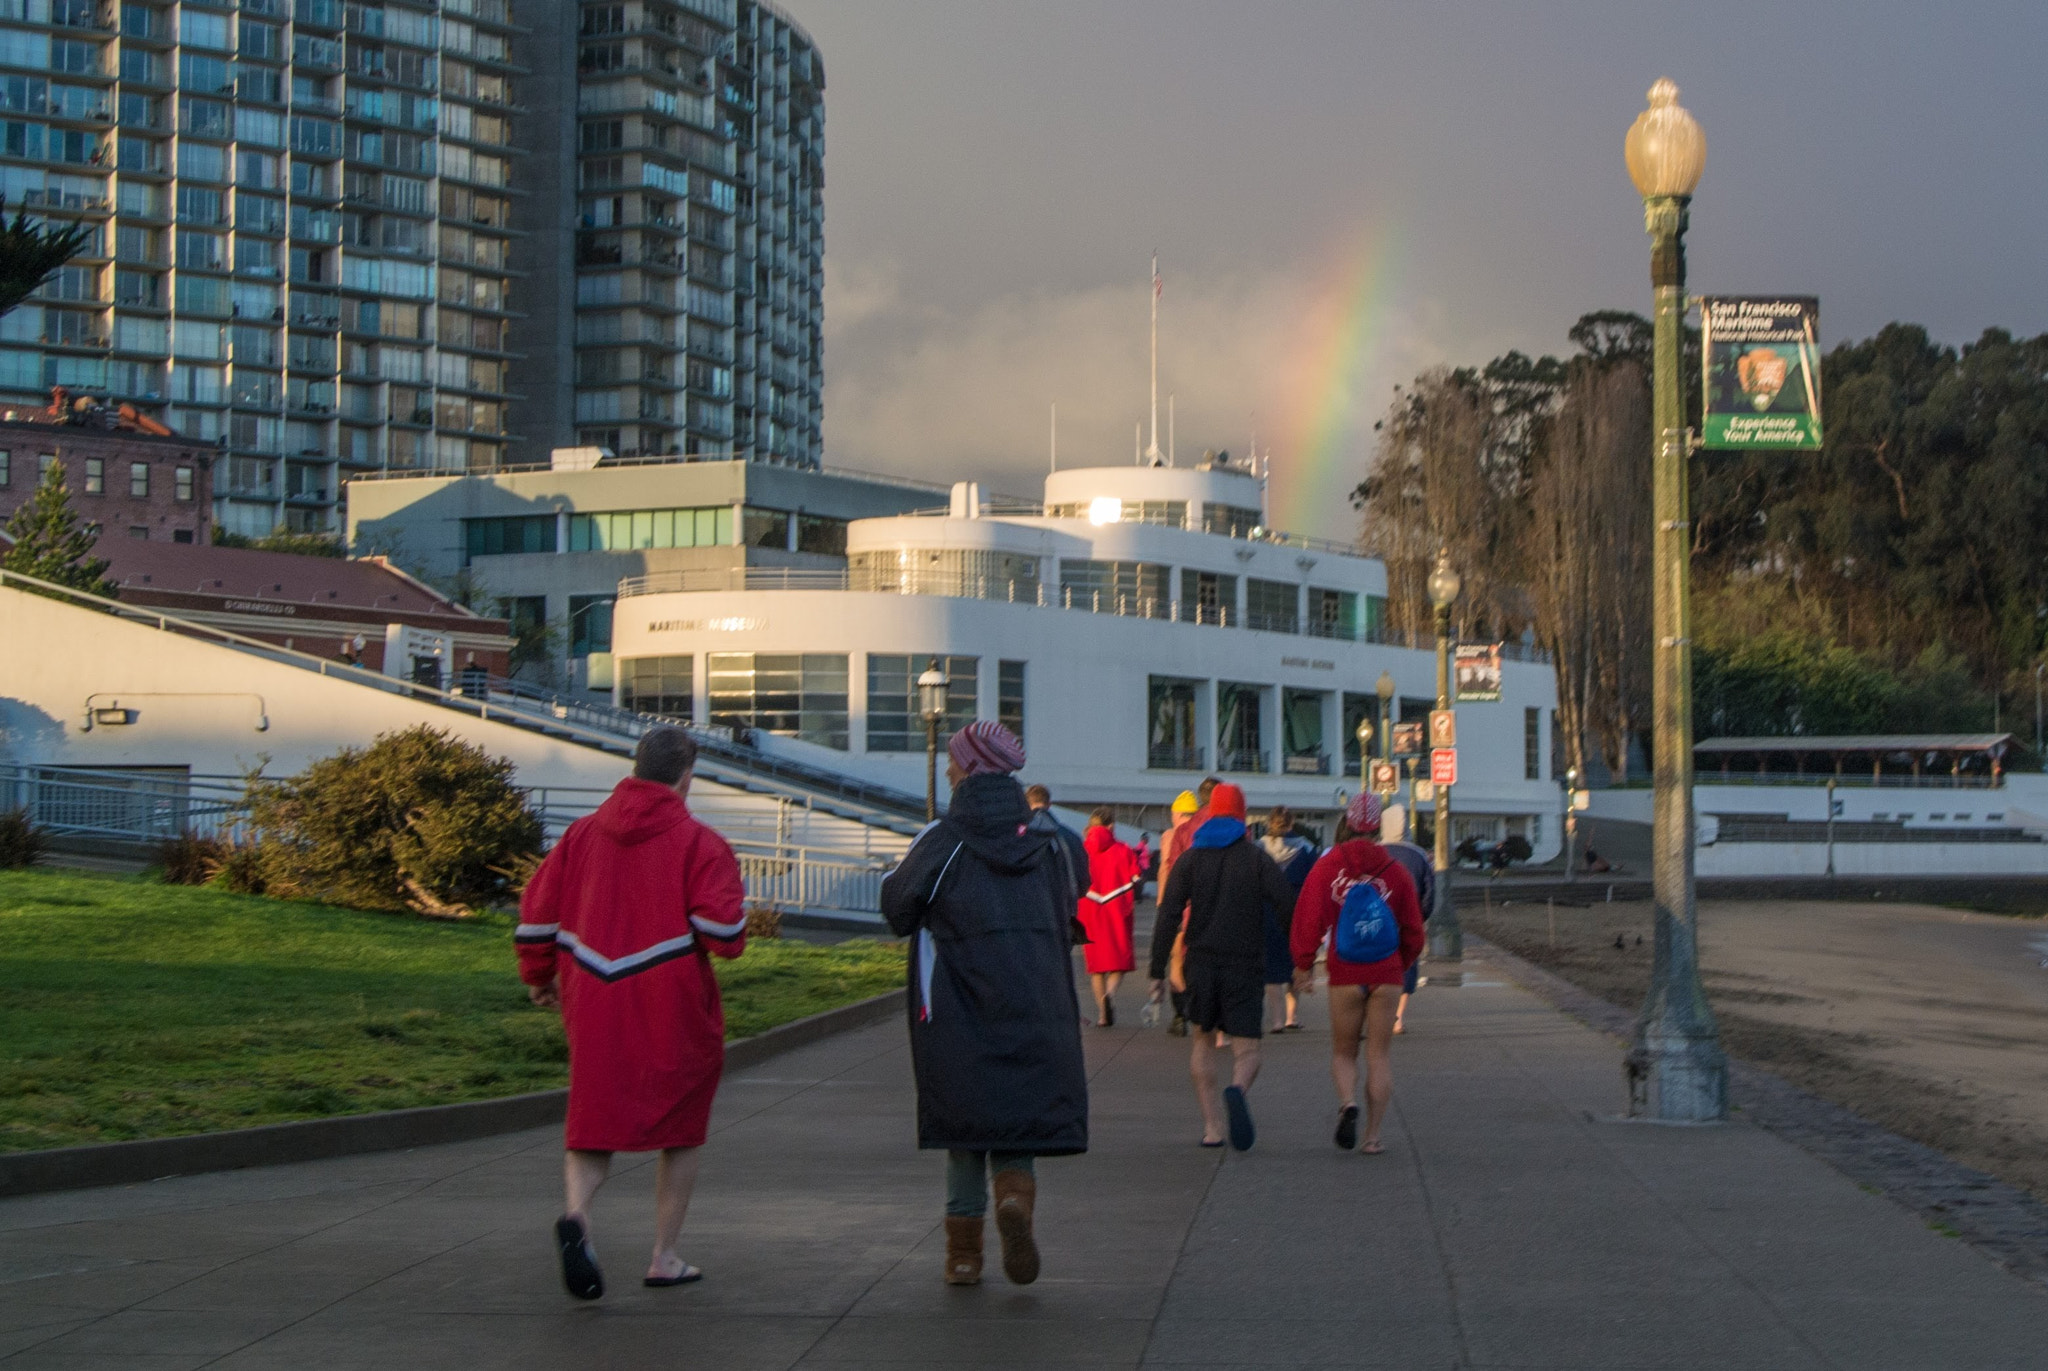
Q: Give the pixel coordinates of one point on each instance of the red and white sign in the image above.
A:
(1385, 779)
(1443, 766)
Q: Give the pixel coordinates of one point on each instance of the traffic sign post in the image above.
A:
(1443, 766)
(1443, 728)
(1385, 778)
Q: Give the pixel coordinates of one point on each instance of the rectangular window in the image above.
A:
(1208, 597)
(1333, 614)
(1358, 709)
(818, 533)
(1240, 732)
(519, 533)
(793, 695)
(1171, 741)
(95, 476)
(1271, 606)
(665, 686)
(1375, 618)
(184, 484)
(1232, 521)
(590, 624)
(138, 480)
(6, 468)
(1532, 744)
(766, 528)
(1137, 589)
(894, 722)
(1010, 697)
(635, 529)
(1301, 733)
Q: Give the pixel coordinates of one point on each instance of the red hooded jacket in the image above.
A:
(1322, 895)
(624, 910)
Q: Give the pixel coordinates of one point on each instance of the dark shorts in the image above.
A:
(1226, 996)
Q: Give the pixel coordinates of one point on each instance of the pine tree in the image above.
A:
(30, 251)
(51, 544)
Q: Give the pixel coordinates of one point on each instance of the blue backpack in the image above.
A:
(1367, 930)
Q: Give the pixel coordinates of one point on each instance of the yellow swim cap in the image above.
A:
(1186, 803)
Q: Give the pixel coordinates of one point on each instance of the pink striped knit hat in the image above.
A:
(1363, 813)
(985, 746)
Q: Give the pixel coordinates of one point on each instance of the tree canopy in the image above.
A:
(31, 250)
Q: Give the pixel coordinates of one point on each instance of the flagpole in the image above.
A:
(1153, 450)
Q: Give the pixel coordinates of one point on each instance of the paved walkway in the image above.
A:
(1506, 1226)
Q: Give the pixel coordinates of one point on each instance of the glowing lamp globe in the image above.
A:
(1444, 582)
(1666, 147)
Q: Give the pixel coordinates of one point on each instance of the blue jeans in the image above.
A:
(967, 1176)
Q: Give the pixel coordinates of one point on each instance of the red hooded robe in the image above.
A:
(1106, 908)
(625, 909)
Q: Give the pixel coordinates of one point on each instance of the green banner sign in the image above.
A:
(1762, 365)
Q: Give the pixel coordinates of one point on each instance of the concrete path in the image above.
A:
(1506, 1226)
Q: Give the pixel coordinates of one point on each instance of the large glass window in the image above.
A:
(1166, 513)
(818, 533)
(794, 695)
(1333, 613)
(1375, 618)
(619, 530)
(1130, 588)
(965, 572)
(894, 724)
(1208, 597)
(1532, 744)
(1233, 521)
(1010, 697)
(1171, 744)
(1301, 732)
(590, 624)
(1273, 606)
(659, 685)
(520, 533)
(1240, 737)
(766, 527)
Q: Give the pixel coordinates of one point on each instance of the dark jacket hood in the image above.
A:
(638, 810)
(989, 814)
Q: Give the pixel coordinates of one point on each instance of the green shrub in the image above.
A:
(21, 842)
(419, 821)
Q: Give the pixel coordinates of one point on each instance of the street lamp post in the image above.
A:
(931, 703)
(1571, 823)
(1676, 1068)
(1384, 688)
(1364, 736)
(1446, 937)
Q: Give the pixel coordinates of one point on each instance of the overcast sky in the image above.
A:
(1342, 194)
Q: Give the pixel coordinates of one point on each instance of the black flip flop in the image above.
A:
(579, 1259)
(687, 1276)
(1242, 1134)
(1347, 1127)
(1207, 1143)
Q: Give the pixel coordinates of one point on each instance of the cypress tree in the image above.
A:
(52, 544)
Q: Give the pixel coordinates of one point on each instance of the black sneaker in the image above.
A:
(1109, 1013)
(1347, 1127)
(1179, 1027)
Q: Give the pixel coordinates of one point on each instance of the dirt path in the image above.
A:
(1932, 1022)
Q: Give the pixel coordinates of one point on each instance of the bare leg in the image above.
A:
(1379, 1063)
(1110, 981)
(1293, 1007)
(1244, 1065)
(1400, 1011)
(1095, 984)
(1202, 1066)
(1274, 999)
(675, 1176)
(582, 1174)
(1347, 1019)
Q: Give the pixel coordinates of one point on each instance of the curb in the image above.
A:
(149, 1159)
(2002, 1221)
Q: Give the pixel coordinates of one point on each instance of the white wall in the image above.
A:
(1873, 859)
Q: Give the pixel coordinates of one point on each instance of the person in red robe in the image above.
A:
(615, 928)
(1106, 910)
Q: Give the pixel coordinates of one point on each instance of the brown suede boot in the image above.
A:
(963, 1249)
(1016, 1195)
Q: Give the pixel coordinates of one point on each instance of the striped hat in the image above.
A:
(1363, 813)
(985, 746)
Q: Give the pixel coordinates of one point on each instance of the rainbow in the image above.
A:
(1320, 448)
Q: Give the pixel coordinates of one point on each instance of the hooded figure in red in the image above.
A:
(1106, 910)
(617, 927)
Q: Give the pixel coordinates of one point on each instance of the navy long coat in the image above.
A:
(987, 895)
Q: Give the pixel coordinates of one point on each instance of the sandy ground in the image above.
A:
(1932, 1022)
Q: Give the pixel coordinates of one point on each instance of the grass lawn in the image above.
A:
(130, 1009)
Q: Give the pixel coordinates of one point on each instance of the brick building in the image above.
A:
(128, 474)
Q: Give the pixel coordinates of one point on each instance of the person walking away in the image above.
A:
(1187, 815)
(1294, 855)
(1143, 852)
(1217, 898)
(1421, 869)
(1038, 797)
(989, 892)
(1359, 883)
(1107, 909)
(614, 928)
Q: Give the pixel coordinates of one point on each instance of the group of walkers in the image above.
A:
(617, 925)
